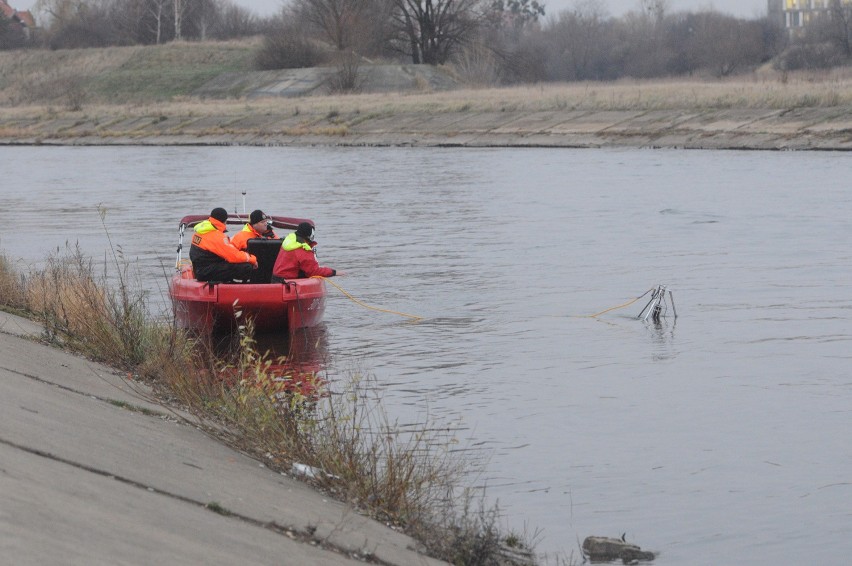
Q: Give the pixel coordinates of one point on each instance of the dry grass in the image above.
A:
(79, 310)
(763, 90)
(12, 287)
(341, 438)
(342, 433)
(337, 116)
(756, 92)
(69, 93)
(118, 74)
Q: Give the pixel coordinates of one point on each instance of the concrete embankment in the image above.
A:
(769, 129)
(93, 471)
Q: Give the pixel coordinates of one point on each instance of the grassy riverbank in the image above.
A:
(124, 81)
(770, 91)
(144, 95)
(406, 477)
(116, 75)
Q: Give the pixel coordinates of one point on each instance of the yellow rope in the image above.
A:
(415, 317)
(615, 308)
(342, 290)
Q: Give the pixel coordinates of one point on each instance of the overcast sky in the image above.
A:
(740, 8)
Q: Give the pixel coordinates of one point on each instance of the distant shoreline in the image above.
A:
(828, 129)
(205, 93)
(759, 113)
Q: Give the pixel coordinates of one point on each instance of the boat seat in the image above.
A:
(266, 252)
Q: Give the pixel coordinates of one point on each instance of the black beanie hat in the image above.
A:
(219, 214)
(257, 216)
(304, 230)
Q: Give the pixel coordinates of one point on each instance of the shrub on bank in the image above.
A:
(79, 310)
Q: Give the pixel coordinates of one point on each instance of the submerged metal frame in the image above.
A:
(654, 307)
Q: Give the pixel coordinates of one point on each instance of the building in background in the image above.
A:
(21, 21)
(794, 15)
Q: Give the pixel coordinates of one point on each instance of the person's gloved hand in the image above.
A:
(253, 261)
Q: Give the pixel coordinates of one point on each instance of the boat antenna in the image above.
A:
(244, 201)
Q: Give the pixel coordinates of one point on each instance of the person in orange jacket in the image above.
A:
(259, 226)
(297, 258)
(213, 256)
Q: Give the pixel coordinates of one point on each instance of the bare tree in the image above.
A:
(286, 46)
(654, 9)
(347, 78)
(205, 16)
(722, 44)
(90, 23)
(59, 10)
(375, 30)
(639, 43)
(775, 37)
(430, 30)
(125, 17)
(477, 65)
(153, 21)
(234, 21)
(513, 13)
(157, 13)
(180, 8)
(336, 20)
(76, 23)
(199, 18)
(579, 43)
(507, 47)
(840, 16)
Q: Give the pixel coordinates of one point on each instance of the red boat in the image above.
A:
(199, 305)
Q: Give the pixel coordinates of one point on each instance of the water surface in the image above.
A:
(718, 437)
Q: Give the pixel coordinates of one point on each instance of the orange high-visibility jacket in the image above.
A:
(211, 245)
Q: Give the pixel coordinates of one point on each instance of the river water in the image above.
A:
(718, 437)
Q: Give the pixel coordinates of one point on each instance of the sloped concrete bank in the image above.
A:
(95, 472)
(760, 129)
(294, 83)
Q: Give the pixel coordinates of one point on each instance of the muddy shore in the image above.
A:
(822, 128)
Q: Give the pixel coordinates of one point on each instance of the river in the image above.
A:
(717, 437)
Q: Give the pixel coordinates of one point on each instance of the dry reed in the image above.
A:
(12, 287)
(79, 310)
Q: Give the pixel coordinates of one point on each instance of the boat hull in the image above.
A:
(272, 306)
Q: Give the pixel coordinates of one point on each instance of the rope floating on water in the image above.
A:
(366, 306)
(654, 309)
(627, 304)
(615, 308)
